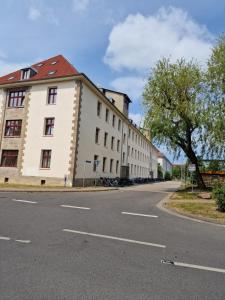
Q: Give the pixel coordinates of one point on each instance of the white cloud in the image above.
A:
(39, 10)
(139, 41)
(34, 13)
(80, 5)
(131, 85)
(137, 118)
(6, 68)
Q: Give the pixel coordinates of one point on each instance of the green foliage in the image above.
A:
(167, 176)
(176, 172)
(160, 172)
(174, 103)
(214, 165)
(219, 195)
(215, 78)
(185, 106)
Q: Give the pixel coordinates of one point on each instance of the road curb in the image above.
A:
(56, 190)
(161, 205)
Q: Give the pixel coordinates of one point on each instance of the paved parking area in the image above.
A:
(106, 245)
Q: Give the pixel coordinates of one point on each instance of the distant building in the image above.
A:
(165, 164)
(56, 125)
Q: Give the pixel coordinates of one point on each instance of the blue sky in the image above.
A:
(114, 42)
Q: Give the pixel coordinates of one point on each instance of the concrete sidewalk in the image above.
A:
(57, 189)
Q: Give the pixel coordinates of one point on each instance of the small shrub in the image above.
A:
(219, 195)
(167, 176)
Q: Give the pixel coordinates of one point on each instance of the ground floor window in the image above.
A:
(111, 166)
(104, 164)
(117, 166)
(95, 163)
(9, 158)
(46, 159)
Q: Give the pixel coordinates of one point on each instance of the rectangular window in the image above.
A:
(46, 159)
(124, 138)
(119, 124)
(128, 151)
(13, 127)
(97, 131)
(104, 164)
(25, 74)
(105, 139)
(16, 98)
(112, 142)
(52, 94)
(113, 120)
(117, 166)
(123, 157)
(49, 126)
(118, 146)
(129, 133)
(107, 115)
(111, 165)
(99, 108)
(9, 158)
(95, 163)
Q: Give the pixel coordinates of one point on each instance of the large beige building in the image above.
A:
(55, 124)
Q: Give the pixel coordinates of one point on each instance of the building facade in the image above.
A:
(57, 126)
(165, 164)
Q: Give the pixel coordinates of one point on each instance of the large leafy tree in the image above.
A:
(176, 108)
(185, 107)
(215, 78)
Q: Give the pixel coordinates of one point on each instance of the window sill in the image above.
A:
(11, 107)
(48, 135)
(15, 167)
(44, 168)
(13, 136)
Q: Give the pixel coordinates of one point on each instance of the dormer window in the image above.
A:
(27, 73)
(40, 65)
(10, 78)
(54, 62)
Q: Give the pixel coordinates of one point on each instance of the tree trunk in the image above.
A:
(200, 181)
(194, 160)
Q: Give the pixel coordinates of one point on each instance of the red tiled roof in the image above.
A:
(59, 66)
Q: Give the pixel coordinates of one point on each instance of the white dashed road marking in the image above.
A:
(115, 238)
(71, 206)
(180, 264)
(4, 238)
(24, 201)
(140, 215)
(23, 241)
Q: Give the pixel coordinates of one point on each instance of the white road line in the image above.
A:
(115, 238)
(23, 241)
(4, 238)
(78, 207)
(25, 201)
(179, 264)
(141, 215)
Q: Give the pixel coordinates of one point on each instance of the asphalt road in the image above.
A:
(99, 250)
